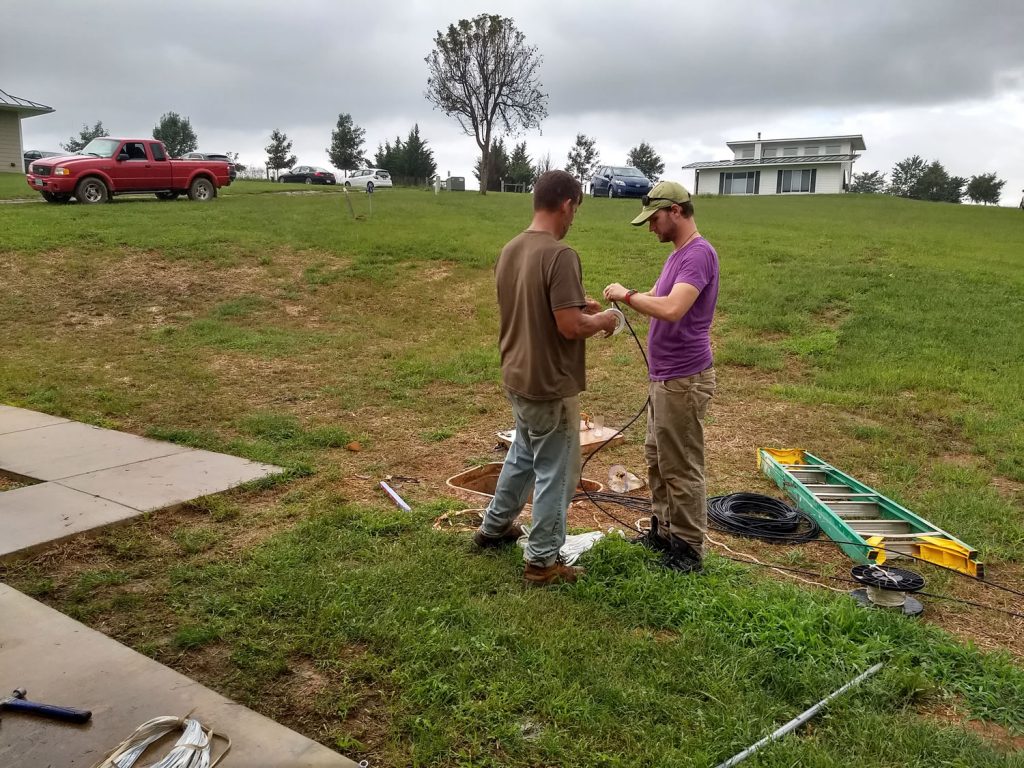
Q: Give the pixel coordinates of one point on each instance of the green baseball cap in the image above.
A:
(663, 195)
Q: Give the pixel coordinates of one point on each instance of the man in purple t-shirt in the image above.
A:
(681, 306)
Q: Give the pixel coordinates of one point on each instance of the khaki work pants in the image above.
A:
(675, 454)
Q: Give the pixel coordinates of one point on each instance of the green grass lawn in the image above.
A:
(881, 334)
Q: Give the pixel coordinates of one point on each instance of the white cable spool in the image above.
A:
(887, 598)
(620, 320)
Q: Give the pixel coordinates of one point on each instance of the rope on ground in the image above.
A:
(768, 565)
(191, 750)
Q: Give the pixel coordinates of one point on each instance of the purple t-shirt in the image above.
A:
(683, 348)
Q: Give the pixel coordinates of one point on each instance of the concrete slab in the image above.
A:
(71, 448)
(17, 419)
(163, 482)
(60, 661)
(46, 513)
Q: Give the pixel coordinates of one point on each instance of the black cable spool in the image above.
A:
(896, 579)
(888, 587)
(761, 517)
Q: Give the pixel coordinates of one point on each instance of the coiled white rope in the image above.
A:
(888, 598)
(191, 750)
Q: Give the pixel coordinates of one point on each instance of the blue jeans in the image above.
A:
(544, 458)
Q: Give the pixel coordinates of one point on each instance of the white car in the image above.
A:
(368, 179)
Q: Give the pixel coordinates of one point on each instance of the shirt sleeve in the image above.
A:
(697, 269)
(565, 288)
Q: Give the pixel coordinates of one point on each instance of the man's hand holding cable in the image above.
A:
(615, 292)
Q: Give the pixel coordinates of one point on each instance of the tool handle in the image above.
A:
(65, 714)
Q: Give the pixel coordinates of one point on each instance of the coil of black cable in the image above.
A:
(760, 517)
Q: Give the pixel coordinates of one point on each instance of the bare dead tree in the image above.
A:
(483, 74)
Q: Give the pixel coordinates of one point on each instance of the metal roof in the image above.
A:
(22, 105)
(856, 141)
(760, 162)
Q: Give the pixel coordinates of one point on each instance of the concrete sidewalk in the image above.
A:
(62, 662)
(91, 477)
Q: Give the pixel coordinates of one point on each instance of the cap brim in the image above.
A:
(645, 213)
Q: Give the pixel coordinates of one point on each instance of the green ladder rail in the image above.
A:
(866, 525)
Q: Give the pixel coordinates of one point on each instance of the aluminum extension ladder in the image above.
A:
(867, 526)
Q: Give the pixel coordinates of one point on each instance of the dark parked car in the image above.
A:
(611, 181)
(212, 156)
(307, 174)
(35, 154)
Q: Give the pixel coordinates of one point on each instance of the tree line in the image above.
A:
(916, 179)
(172, 129)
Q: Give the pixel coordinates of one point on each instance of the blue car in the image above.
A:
(619, 182)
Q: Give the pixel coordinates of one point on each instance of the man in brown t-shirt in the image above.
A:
(545, 318)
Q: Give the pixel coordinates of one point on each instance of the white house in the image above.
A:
(12, 110)
(812, 165)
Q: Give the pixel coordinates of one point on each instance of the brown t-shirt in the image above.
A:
(537, 274)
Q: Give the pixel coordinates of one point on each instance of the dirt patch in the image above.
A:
(435, 273)
(1012, 488)
(954, 713)
(339, 707)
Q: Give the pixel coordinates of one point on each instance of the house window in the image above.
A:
(811, 150)
(789, 151)
(743, 183)
(831, 149)
(746, 154)
(771, 152)
(796, 181)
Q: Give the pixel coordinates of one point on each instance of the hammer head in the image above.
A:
(17, 693)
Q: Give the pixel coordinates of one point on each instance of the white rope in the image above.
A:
(191, 750)
(888, 598)
(777, 570)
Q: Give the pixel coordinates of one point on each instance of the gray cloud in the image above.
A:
(685, 76)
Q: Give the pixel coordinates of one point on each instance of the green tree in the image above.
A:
(985, 188)
(646, 160)
(868, 182)
(346, 150)
(391, 157)
(87, 134)
(905, 175)
(520, 167)
(583, 158)
(176, 133)
(419, 158)
(278, 151)
(498, 167)
(483, 74)
(937, 185)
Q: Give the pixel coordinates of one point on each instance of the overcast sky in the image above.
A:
(937, 78)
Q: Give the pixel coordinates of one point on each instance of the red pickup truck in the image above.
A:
(106, 167)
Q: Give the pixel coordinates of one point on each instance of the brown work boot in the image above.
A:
(556, 573)
(510, 536)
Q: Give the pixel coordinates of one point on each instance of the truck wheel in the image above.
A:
(309, 180)
(92, 190)
(348, 184)
(201, 190)
(369, 187)
(167, 195)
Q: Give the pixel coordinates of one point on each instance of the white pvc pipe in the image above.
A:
(799, 720)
